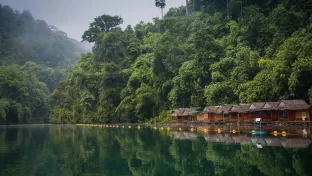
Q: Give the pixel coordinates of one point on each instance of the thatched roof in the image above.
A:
(225, 109)
(293, 105)
(271, 106)
(256, 106)
(178, 112)
(236, 108)
(240, 108)
(211, 109)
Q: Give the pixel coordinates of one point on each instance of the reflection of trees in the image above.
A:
(69, 150)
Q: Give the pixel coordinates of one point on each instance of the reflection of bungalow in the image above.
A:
(211, 138)
(296, 143)
(258, 141)
(294, 110)
(273, 142)
(225, 138)
(242, 139)
(184, 135)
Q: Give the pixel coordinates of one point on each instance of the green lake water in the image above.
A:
(77, 150)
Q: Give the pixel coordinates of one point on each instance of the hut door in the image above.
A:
(274, 115)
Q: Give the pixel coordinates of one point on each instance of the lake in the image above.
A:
(119, 150)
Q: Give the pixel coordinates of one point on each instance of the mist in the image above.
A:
(74, 16)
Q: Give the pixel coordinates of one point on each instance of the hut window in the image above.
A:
(265, 114)
(260, 113)
(234, 115)
(284, 114)
(226, 115)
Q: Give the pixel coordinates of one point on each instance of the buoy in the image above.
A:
(155, 128)
(253, 131)
(123, 126)
(275, 133)
(129, 126)
(233, 131)
(219, 130)
(117, 126)
(284, 133)
(162, 128)
(139, 127)
(107, 126)
(180, 129)
(168, 128)
(110, 126)
(192, 129)
(205, 130)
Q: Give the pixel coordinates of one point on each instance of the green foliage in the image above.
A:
(23, 96)
(104, 23)
(33, 57)
(224, 52)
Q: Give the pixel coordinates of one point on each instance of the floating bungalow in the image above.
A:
(285, 110)
(239, 112)
(187, 114)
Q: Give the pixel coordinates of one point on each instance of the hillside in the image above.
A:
(33, 58)
(223, 52)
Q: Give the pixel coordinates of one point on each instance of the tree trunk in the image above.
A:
(241, 8)
(227, 9)
(187, 9)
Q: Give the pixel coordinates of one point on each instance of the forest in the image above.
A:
(206, 52)
(33, 59)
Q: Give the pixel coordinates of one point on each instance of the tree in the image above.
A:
(161, 4)
(104, 23)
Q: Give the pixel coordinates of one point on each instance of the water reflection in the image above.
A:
(287, 137)
(71, 150)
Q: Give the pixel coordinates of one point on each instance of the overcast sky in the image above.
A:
(74, 16)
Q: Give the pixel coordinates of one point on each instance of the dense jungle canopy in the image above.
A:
(210, 53)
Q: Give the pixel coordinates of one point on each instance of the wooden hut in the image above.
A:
(210, 113)
(180, 115)
(271, 112)
(256, 111)
(196, 114)
(294, 110)
(239, 113)
(226, 113)
(219, 114)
